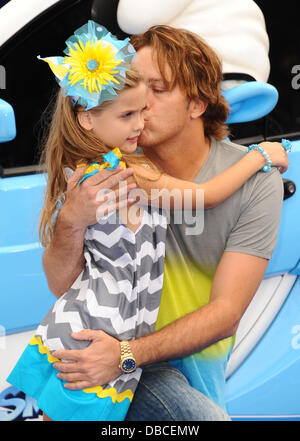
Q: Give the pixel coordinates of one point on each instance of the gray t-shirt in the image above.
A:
(247, 222)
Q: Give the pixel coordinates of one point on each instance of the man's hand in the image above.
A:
(98, 363)
(63, 260)
(97, 192)
(93, 366)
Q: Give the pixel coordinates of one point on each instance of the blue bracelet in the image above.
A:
(287, 145)
(267, 167)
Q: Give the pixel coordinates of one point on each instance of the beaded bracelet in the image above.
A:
(267, 167)
(286, 144)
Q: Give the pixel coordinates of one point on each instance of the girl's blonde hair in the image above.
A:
(68, 144)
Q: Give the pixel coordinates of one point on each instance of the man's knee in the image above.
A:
(164, 394)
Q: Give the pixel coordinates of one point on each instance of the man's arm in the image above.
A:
(63, 260)
(239, 273)
(236, 280)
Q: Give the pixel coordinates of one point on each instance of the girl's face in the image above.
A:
(121, 122)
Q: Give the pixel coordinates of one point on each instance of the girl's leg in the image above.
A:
(46, 418)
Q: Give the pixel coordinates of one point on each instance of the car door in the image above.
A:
(28, 87)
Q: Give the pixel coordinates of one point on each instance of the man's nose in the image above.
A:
(148, 103)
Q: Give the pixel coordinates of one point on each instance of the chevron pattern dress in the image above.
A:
(119, 292)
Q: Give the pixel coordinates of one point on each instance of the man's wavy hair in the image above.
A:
(194, 67)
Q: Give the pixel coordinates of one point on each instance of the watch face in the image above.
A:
(128, 365)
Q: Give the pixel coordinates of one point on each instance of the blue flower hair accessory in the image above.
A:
(94, 66)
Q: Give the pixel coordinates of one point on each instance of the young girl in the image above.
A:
(119, 289)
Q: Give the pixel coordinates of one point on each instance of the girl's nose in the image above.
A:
(140, 123)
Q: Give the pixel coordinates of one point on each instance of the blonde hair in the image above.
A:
(194, 66)
(68, 144)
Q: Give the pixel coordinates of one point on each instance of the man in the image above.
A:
(209, 278)
(242, 43)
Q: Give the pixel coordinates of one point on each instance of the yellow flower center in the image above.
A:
(93, 64)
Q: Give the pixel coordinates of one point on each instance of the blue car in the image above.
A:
(263, 381)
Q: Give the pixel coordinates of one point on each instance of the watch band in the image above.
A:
(125, 349)
(127, 361)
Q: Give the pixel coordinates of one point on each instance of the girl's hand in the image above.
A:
(277, 155)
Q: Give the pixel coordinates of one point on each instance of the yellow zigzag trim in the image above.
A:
(102, 393)
(98, 390)
(43, 349)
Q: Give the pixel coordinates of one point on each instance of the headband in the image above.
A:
(94, 66)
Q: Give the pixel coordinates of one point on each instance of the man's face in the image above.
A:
(167, 113)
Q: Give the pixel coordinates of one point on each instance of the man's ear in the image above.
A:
(85, 120)
(197, 108)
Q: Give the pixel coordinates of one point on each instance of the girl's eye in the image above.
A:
(126, 115)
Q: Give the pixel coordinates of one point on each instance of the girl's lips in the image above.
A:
(133, 139)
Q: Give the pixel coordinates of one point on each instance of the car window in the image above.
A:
(285, 64)
(282, 27)
(30, 85)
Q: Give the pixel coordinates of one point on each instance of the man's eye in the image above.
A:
(158, 90)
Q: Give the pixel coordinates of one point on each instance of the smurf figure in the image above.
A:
(234, 28)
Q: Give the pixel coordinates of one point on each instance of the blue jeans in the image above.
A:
(164, 394)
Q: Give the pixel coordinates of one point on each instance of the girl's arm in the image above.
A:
(216, 190)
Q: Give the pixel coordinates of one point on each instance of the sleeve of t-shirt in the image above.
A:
(257, 227)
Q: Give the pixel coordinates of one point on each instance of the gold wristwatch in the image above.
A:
(127, 363)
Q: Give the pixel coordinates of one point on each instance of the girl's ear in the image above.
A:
(85, 120)
(197, 108)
